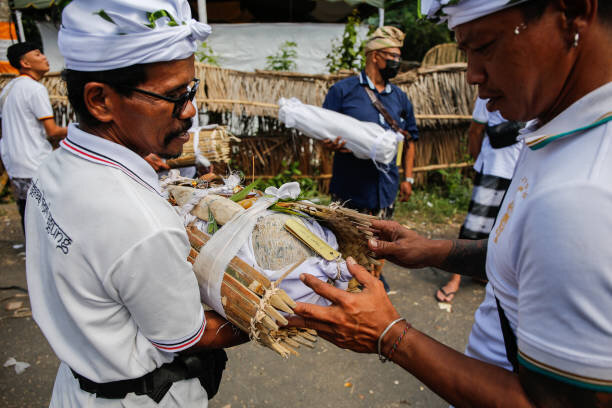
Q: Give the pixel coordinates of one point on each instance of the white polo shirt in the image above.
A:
(549, 256)
(24, 142)
(107, 270)
(494, 162)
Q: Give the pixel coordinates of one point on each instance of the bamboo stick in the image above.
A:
(442, 166)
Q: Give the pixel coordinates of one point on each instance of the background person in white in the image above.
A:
(107, 270)
(548, 260)
(28, 126)
(494, 168)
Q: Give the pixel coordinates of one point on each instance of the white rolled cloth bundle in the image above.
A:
(366, 140)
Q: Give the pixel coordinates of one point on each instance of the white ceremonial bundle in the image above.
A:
(366, 140)
(247, 263)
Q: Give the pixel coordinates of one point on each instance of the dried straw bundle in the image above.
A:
(352, 229)
(214, 144)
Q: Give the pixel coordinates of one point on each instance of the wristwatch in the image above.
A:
(410, 180)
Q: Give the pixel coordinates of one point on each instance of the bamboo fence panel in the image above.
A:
(441, 97)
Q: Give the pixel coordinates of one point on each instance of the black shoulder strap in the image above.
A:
(509, 338)
(383, 111)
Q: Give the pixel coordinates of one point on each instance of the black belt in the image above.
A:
(207, 367)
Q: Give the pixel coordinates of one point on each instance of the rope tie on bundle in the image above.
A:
(264, 303)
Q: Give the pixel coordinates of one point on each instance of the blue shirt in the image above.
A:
(356, 179)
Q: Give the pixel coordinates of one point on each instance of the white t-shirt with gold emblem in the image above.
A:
(549, 259)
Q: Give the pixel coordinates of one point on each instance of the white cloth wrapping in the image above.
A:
(139, 33)
(322, 269)
(214, 257)
(457, 12)
(366, 140)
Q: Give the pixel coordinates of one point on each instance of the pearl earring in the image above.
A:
(576, 40)
(518, 28)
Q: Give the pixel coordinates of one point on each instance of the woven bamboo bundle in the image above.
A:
(252, 303)
(214, 144)
(443, 54)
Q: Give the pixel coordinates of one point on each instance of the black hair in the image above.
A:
(120, 79)
(16, 51)
(534, 9)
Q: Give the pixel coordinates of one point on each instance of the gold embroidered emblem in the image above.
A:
(521, 193)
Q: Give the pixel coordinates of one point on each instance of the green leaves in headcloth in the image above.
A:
(156, 15)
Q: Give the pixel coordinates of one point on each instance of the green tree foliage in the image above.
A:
(348, 51)
(421, 34)
(284, 59)
(206, 54)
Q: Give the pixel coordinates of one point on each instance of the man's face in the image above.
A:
(36, 61)
(381, 56)
(522, 74)
(145, 124)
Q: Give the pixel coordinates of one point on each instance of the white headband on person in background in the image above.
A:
(457, 12)
(110, 34)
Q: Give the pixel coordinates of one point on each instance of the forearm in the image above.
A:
(408, 159)
(466, 257)
(54, 133)
(460, 380)
(219, 333)
(58, 134)
(475, 137)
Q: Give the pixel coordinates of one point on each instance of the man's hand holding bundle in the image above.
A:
(405, 247)
(354, 321)
(336, 145)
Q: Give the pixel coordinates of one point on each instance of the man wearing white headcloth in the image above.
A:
(107, 270)
(543, 334)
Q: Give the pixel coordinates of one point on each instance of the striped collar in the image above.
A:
(592, 110)
(101, 151)
(365, 79)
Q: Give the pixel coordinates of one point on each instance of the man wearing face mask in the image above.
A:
(371, 97)
(356, 181)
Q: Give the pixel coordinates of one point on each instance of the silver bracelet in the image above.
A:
(382, 358)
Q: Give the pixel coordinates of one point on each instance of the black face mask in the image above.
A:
(390, 70)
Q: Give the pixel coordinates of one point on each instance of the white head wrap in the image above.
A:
(110, 34)
(457, 12)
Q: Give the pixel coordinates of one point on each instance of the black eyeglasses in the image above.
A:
(393, 55)
(179, 103)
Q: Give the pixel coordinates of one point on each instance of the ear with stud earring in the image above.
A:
(519, 28)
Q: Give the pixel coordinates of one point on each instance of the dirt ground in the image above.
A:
(255, 377)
